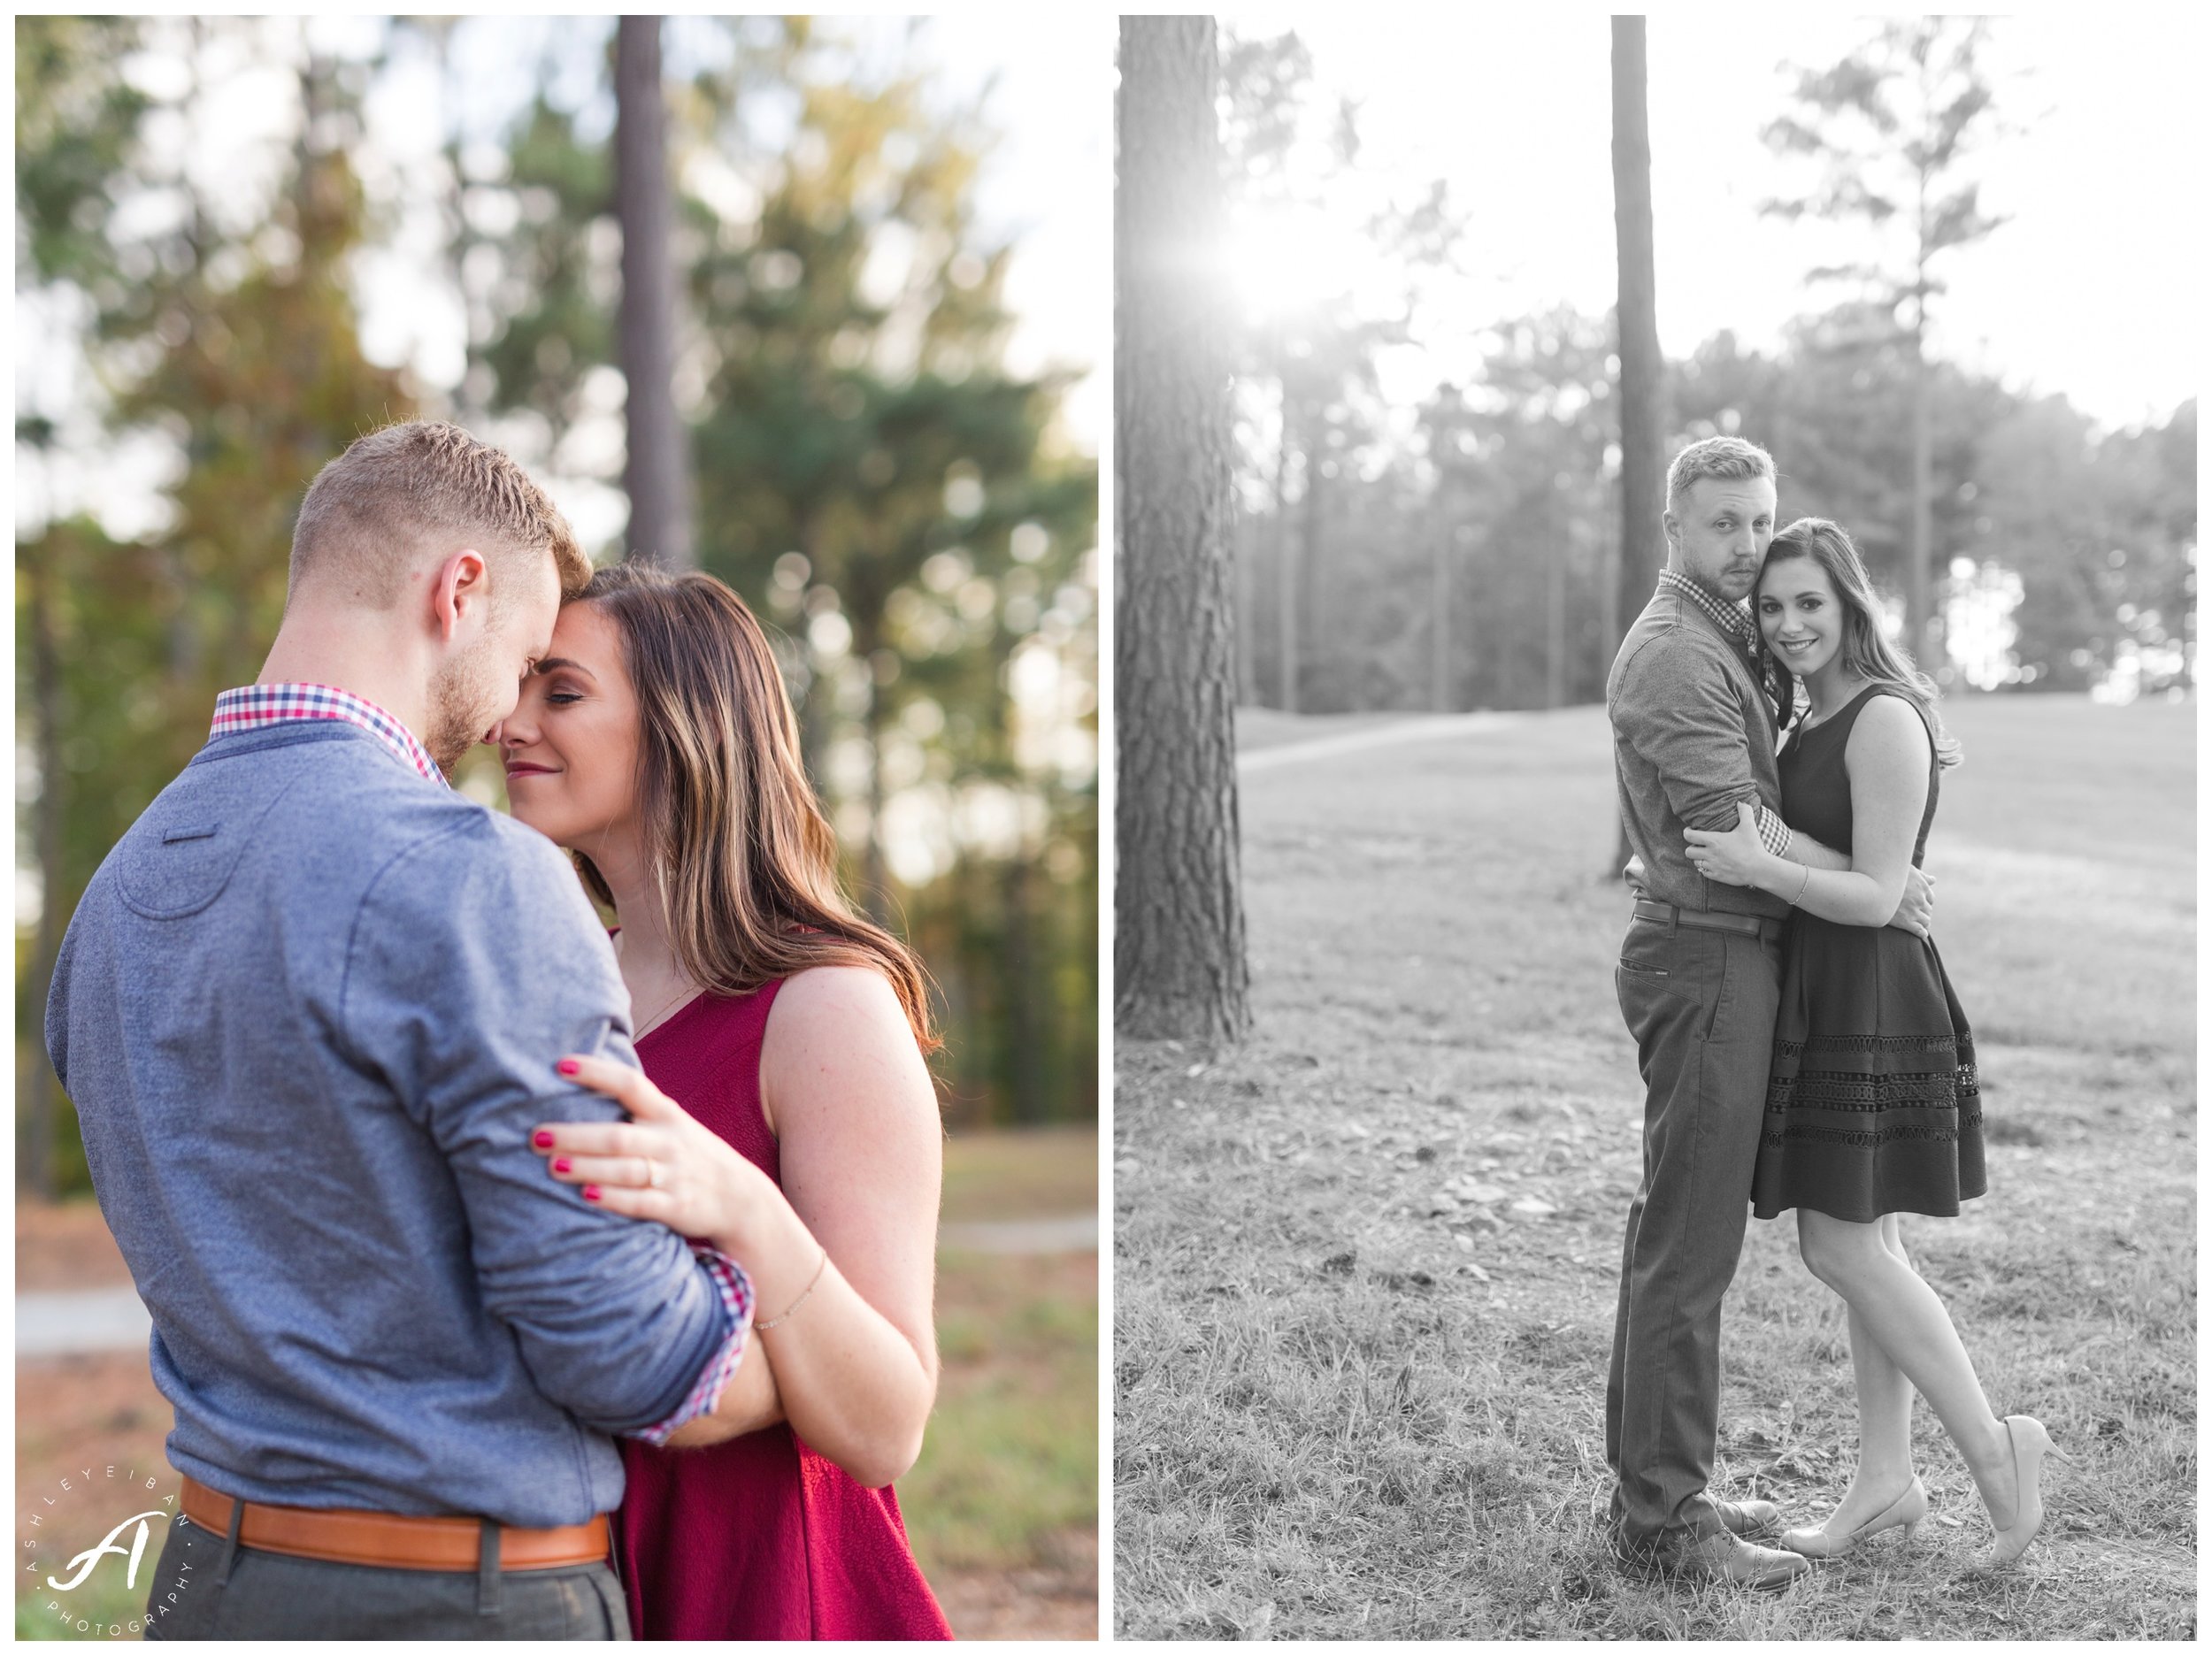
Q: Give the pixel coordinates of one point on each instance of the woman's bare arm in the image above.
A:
(842, 1258)
(1886, 759)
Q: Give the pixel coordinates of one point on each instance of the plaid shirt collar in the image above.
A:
(254, 706)
(1732, 618)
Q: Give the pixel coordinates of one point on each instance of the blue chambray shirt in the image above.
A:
(308, 1011)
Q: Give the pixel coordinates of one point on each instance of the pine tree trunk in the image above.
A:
(1179, 966)
(1285, 577)
(1247, 628)
(656, 471)
(1642, 385)
(1313, 535)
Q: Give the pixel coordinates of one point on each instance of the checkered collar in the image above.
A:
(254, 706)
(1732, 618)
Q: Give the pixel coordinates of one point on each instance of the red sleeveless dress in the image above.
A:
(758, 1537)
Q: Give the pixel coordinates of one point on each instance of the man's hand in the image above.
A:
(1915, 912)
(1632, 872)
(1734, 858)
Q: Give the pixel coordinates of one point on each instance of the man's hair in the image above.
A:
(1716, 457)
(375, 510)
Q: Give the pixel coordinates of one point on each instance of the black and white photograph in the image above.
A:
(1654, 994)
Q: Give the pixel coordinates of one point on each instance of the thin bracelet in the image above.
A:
(823, 1265)
(1801, 885)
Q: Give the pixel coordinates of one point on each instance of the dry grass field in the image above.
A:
(1365, 1264)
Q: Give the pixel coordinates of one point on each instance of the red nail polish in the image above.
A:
(542, 1139)
(567, 1066)
(560, 1164)
(591, 1192)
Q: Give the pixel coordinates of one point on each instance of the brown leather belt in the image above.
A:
(392, 1540)
(1706, 920)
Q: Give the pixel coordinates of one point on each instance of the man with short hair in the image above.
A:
(308, 1011)
(1694, 735)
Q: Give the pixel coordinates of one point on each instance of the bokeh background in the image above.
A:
(240, 243)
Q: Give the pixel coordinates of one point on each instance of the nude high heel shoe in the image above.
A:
(1907, 1509)
(2029, 1444)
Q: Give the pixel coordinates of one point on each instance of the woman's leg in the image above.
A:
(1902, 1340)
(1885, 1468)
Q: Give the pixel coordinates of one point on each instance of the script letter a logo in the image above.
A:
(92, 1556)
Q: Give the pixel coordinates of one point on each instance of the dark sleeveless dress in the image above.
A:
(1872, 1106)
(758, 1537)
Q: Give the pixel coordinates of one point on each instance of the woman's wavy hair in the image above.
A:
(744, 863)
(1865, 650)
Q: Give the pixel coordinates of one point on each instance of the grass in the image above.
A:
(1009, 1474)
(1350, 1404)
(1032, 1173)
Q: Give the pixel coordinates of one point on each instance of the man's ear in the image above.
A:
(461, 585)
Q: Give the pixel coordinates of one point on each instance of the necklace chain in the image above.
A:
(666, 1007)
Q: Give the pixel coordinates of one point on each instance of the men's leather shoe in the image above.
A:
(1750, 1519)
(1725, 1558)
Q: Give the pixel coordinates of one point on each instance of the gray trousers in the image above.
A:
(207, 1587)
(1700, 1005)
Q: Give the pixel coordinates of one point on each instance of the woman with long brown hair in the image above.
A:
(657, 742)
(1873, 1100)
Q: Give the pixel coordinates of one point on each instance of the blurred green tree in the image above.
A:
(242, 352)
(874, 481)
(75, 119)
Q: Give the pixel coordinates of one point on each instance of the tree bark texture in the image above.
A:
(1642, 373)
(656, 471)
(1179, 966)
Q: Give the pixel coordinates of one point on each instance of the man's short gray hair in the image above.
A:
(1730, 457)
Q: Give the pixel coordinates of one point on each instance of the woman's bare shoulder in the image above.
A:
(836, 994)
(1888, 726)
(1887, 753)
(836, 1019)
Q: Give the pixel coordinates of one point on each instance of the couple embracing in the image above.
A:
(1799, 1041)
(439, 1280)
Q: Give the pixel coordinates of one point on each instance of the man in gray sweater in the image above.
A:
(1694, 735)
(309, 1011)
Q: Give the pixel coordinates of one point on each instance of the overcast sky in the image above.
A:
(2094, 289)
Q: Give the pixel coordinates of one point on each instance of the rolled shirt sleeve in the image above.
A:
(1774, 833)
(1678, 713)
(734, 1289)
(472, 969)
